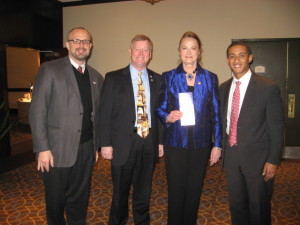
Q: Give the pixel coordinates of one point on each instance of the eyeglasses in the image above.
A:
(78, 41)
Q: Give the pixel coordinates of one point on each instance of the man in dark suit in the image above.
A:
(253, 124)
(130, 132)
(65, 128)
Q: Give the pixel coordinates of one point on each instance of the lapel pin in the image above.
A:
(199, 82)
(94, 82)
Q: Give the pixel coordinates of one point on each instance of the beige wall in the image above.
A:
(215, 21)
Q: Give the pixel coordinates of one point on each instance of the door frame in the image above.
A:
(288, 151)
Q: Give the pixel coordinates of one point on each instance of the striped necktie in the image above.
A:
(234, 116)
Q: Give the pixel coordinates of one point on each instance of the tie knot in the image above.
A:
(238, 83)
(80, 69)
(140, 73)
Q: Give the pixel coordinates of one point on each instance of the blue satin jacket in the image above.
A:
(207, 129)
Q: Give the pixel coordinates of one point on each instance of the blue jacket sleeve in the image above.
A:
(217, 132)
(162, 110)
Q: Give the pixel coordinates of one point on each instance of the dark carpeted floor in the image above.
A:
(22, 196)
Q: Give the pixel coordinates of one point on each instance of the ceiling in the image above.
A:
(9, 6)
(66, 3)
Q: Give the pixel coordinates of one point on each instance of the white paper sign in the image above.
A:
(186, 106)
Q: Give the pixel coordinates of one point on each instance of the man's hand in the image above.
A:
(45, 160)
(160, 150)
(269, 171)
(107, 152)
(97, 156)
(215, 155)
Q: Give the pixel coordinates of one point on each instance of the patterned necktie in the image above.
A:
(142, 117)
(80, 69)
(232, 139)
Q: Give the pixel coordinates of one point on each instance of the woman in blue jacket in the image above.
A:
(188, 148)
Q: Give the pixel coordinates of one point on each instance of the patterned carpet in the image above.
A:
(22, 196)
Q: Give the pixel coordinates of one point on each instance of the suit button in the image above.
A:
(79, 131)
(81, 113)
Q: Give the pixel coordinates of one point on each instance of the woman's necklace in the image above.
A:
(190, 76)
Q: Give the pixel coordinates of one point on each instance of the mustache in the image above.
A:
(81, 48)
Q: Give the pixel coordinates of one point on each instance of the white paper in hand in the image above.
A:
(186, 106)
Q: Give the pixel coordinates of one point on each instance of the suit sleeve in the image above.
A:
(106, 107)
(162, 109)
(275, 124)
(159, 123)
(97, 113)
(38, 111)
(216, 116)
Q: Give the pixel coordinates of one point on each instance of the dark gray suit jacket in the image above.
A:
(56, 110)
(117, 115)
(260, 124)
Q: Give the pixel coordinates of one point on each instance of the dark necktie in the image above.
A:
(80, 69)
(234, 116)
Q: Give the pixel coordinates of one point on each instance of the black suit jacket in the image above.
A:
(117, 113)
(260, 124)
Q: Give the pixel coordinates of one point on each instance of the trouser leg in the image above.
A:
(54, 196)
(175, 162)
(197, 164)
(78, 188)
(142, 180)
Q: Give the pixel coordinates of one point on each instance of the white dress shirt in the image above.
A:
(76, 65)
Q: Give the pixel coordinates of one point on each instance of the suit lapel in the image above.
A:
(127, 82)
(68, 71)
(152, 84)
(248, 96)
(93, 85)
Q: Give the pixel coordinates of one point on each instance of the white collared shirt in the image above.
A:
(243, 87)
(76, 65)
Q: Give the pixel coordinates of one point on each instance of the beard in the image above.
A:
(81, 54)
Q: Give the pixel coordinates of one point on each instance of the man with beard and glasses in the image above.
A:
(64, 123)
